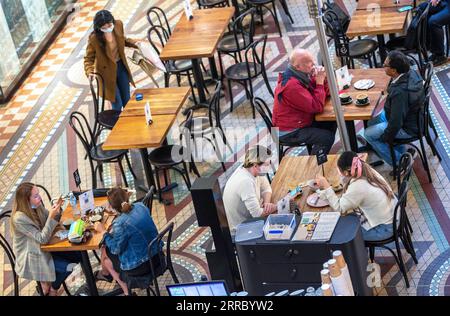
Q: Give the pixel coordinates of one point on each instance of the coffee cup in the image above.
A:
(362, 98)
(345, 97)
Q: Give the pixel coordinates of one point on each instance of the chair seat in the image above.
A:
(374, 243)
(98, 154)
(205, 3)
(165, 156)
(398, 141)
(179, 65)
(228, 43)
(198, 125)
(362, 47)
(239, 71)
(108, 118)
(260, 2)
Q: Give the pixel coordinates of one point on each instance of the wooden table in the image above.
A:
(352, 112)
(295, 170)
(132, 132)
(390, 21)
(363, 4)
(198, 38)
(56, 245)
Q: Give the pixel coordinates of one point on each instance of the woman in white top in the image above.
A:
(365, 193)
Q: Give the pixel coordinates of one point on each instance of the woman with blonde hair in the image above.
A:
(125, 252)
(32, 226)
(366, 193)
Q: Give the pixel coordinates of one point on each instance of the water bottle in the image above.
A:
(319, 291)
(310, 291)
(73, 203)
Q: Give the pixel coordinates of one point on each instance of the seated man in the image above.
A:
(247, 193)
(300, 94)
(399, 118)
(438, 16)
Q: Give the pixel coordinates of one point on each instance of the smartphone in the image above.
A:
(298, 190)
(405, 8)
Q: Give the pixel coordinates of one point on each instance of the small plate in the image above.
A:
(361, 104)
(313, 201)
(364, 84)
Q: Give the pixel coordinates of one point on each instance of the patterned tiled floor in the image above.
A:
(37, 145)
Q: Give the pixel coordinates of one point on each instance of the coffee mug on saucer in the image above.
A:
(362, 98)
(345, 98)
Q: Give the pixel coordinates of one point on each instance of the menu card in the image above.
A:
(188, 9)
(87, 201)
(343, 78)
(316, 226)
(148, 114)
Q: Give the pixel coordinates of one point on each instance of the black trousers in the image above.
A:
(320, 135)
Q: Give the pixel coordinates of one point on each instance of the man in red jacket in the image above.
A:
(300, 94)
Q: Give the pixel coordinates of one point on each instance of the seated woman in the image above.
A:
(125, 252)
(365, 193)
(32, 226)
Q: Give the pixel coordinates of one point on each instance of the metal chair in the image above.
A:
(164, 261)
(240, 37)
(244, 73)
(195, 127)
(266, 115)
(400, 231)
(208, 4)
(104, 119)
(159, 15)
(427, 74)
(260, 4)
(348, 50)
(81, 127)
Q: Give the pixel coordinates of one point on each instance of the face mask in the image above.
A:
(264, 170)
(108, 30)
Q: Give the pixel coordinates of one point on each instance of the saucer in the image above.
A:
(348, 102)
(314, 202)
(361, 104)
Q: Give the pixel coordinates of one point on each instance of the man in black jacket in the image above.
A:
(399, 118)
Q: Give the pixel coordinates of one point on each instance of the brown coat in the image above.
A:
(97, 60)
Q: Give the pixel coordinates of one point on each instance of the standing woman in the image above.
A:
(32, 226)
(105, 54)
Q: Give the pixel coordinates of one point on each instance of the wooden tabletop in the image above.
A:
(363, 4)
(352, 112)
(293, 171)
(197, 38)
(162, 101)
(132, 131)
(93, 243)
(363, 22)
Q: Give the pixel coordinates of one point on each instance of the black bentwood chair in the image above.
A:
(81, 127)
(260, 4)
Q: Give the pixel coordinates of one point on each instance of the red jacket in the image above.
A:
(295, 106)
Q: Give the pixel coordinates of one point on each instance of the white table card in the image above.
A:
(87, 202)
(148, 114)
(188, 9)
(343, 78)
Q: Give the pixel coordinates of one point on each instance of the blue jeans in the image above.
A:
(122, 87)
(438, 16)
(62, 260)
(375, 128)
(380, 232)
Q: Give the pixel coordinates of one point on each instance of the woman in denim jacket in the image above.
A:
(125, 252)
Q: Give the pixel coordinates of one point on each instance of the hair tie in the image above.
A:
(356, 170)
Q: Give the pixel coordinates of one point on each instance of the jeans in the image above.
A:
(122, 87)
(380, 232)
(375, 128)
(320, 135)
(438, 16)
(62, 260)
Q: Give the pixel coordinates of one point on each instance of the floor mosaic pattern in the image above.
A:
(37, 145)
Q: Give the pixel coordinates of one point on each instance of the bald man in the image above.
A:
(300, 94)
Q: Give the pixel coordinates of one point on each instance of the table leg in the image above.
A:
(147, 168)
(198, 77)
(352, 135)
(87, 270)
(382, 47)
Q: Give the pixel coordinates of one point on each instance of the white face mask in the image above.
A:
(108, 30)
(264, 170)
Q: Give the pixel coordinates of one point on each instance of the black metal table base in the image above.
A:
(87, 270)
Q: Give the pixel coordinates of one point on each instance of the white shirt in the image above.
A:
(242, 197)
(373, 203)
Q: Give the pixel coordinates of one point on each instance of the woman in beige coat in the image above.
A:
(105, 55)
(32, 226)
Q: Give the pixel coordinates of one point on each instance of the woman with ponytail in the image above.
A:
(125, 252)
(365, 193)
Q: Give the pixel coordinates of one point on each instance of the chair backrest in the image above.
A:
(263, 110)
(404, 170)
(207, 4)
(97, 87)
(148, 199)
(427, 75)
(156, 16)
(214, 112)
(165, 261)
(334, 26)
(162, 37)
(254, 56)
(422, 27)
(400, 216)
(4, 244)
(343, 17)
(80, 126)
(243, 34)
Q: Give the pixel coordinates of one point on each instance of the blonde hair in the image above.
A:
(22, 204)
(257, 156)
